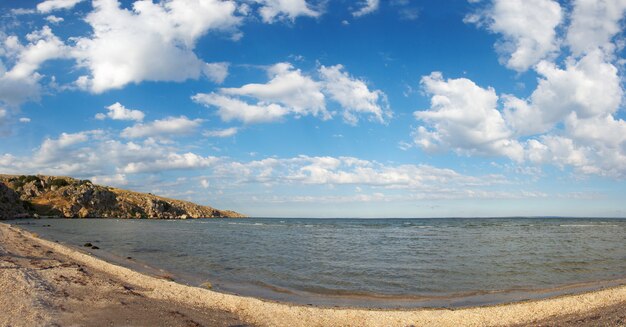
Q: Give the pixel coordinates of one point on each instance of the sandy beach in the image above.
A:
(46, 283)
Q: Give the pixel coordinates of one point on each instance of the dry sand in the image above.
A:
(45, 283)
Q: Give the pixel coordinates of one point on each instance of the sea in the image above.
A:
(386, 263)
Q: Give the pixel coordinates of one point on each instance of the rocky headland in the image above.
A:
(54, 196)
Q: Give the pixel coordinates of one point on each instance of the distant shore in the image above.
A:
(45, 283)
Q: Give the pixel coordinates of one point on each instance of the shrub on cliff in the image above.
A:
(59, 182)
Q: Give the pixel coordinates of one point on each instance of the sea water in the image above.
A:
(366, 262)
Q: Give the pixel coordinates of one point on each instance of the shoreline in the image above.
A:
(269, 313)
(364, 300)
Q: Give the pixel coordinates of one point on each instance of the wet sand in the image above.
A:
(45, 283)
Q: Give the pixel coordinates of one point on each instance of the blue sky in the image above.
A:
(299, 108)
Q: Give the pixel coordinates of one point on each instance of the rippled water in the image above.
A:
(334, 260)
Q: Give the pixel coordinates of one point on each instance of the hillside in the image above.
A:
(32, 196)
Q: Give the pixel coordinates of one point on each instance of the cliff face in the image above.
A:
(10, 203)
(68, 197)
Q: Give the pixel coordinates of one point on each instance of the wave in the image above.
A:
(587, 225)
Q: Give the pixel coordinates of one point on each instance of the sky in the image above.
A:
(324, 108)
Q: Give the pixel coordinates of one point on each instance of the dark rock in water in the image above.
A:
(88, 245)
(129, 258)
(95, 247)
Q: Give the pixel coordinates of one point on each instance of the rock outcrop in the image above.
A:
(10, 204)
(39, 195)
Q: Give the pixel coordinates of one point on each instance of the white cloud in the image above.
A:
(21, 82)
(288, 87)
(353, 95)
(94, 154)
(118, 112)
(273, 10)
(367, 7)
(571, 115)
(591, 146)
(528, 29)
(290, 92)
(52, 5)
(571, 125)
(204, 183)
(464, 117)
(325, 171)
(602, 130)
(557, 150)
(172, 161)
(432, 194)
(234, 109)
(124, 45)
(52, 150)
(98, 156)
(24, 120)
(227, 132)
(594, 23)
(22, 11)
(563, 91)
(163, 128)
(43, 46)
(216, 72)
(54, 19)
(110, 180)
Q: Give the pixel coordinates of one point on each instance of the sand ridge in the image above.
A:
(266, 313)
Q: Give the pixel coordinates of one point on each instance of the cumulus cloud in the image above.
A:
(354, 171)
(226, 132)
(229, 109)
(464, 117)
(527, 27)
(118, 112)
(54, 19)
(560, 92)
(594, 145)
(173, 161)
(104, 159)
(288, 87)
(21, 82)
(112, 180)
(571, 119)
(52, 5)
(353, 95)
(557, 150)
(95, 154)
(564, 122)
(594, 23)
(216, 72)
(291, 92)
(367, 7)
(52, 150)
(273, 10)
(204, 183)
(338, 171)
(124, 42)
(163, 128)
